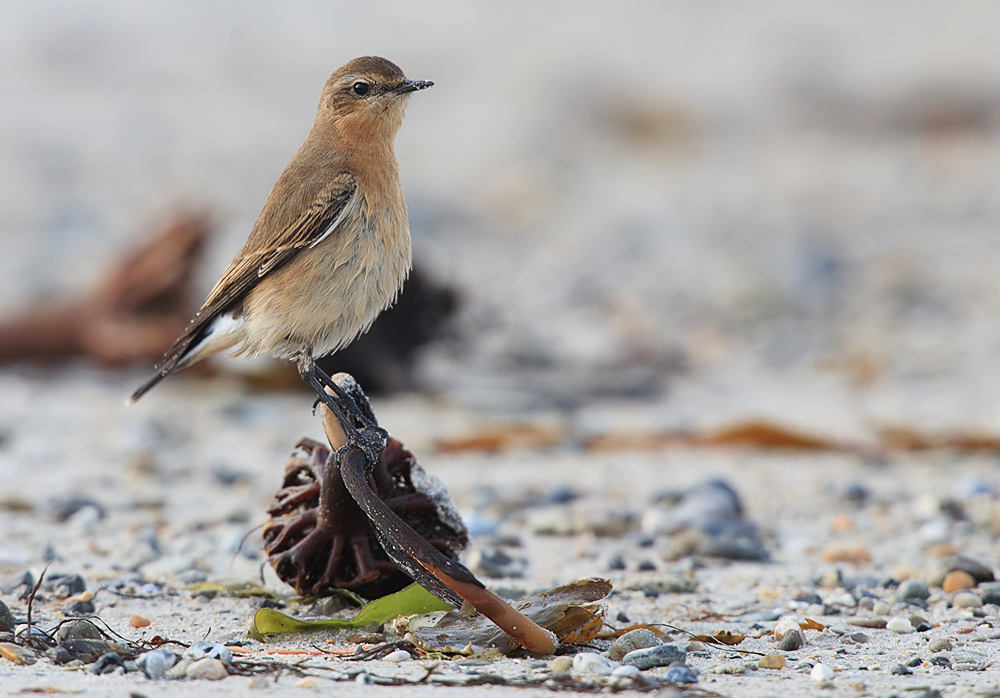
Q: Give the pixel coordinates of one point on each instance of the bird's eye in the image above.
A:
(361, 88)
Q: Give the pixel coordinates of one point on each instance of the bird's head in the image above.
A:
(364, 100)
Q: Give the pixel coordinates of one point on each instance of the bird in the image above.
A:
(330, 249)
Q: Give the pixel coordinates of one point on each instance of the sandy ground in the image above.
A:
(670, 219)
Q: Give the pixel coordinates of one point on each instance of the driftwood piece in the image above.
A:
(142, 303)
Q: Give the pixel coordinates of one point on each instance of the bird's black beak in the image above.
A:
(412, 86)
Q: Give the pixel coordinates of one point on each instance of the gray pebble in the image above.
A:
(912, 589)
(791, 641)
(155, 663)
(7, 621)
(680, 674)
(633, 640)
(966, 599)
(626, 671)
(78, 630)
(650, 657)
(940, 644)
(901, 670)
(677, 584)
(979, 572)
(857, 638)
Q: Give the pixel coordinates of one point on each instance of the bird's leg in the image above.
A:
(360, 429)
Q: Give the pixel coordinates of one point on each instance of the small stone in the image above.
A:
(912, 589)
(793, 640)
(821, 673)
(869, 622)
(676, 584)
(560, 665)
(680, 673)
(616, 562)
(78, 630)
(940, 644)
(258, 683)
(7, 621)
(155, 663)
(16, 653)
(592, 663)
(496, 563)
(208, 668)
(979, 572)
(772, 661)
(957, 580)
(900, 670)
(990, 592)
(138, 621)
(916, 661)
(626, 671)
(858, 638)
(785, 625)
(633, 640)
(920, 624)
(900, 625)
(942, 660)
(398, 656)
(210, 650)
(662, 655)
(966, 599)
(107, 663)
(315, 683)
(970, 660)
(62, 586)
(728, 668)
(882, 608)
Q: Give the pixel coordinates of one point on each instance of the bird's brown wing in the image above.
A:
(256, 261)
(248, 268)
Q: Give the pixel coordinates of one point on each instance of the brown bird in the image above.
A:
(331, 247)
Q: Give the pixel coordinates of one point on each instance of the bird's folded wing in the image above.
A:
(317, 221)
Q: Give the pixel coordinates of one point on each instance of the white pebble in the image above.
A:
(821, 673)
(625, 671)
(900, 625)
(785, 625)
(591, 663)
(398, 656)
(208, 668)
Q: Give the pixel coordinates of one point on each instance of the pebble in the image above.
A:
(913, 589)
(857, 638)
(772, 661)
(676, 584)
(155, 663)
(7, 621)
(78, 630)
(496, 563)
(979, 572)
(626, 671)
(138, 621)
(901, 670)
(633, 640)
(920, 624)
(970, 660)
(729, 668)
(900, 625)
(793, 640)
(16, 653)
(875, 622)
(990, 592)
(649, 657)
(398, 656)
(940, 644)
(592, 663)
(208, 668)
(785, 625)
(106, 663)
(63, 586)
(209, 650)
(821, 673)
(957, 580)
(710, 502)
(560, 665)
(680, 674)
(966, 599)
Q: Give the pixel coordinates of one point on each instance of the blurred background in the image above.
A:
(780, 208)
